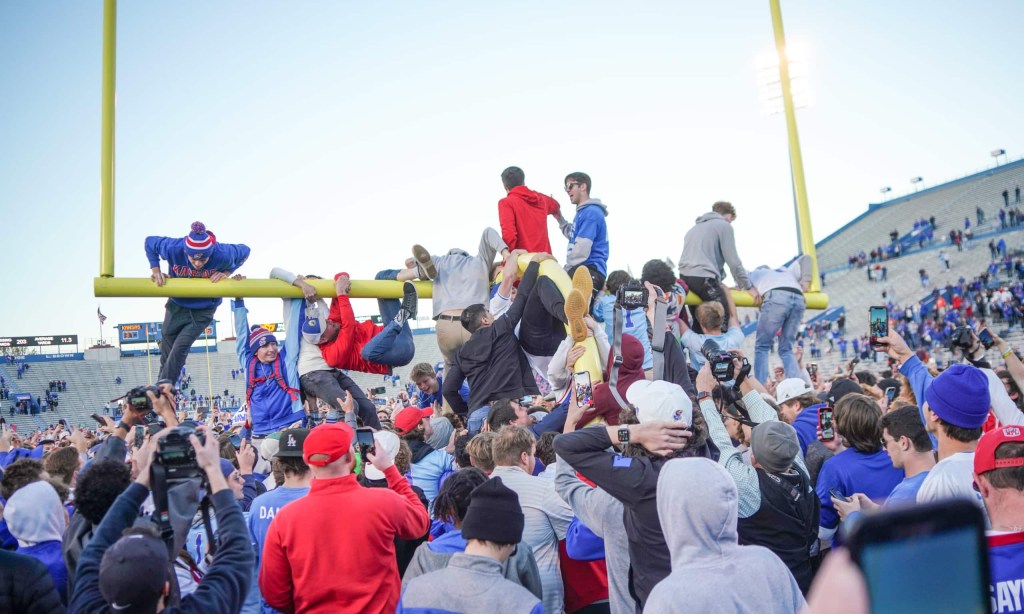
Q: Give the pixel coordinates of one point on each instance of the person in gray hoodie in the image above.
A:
(711, 572)
(707, 248)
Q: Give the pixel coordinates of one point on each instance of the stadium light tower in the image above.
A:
(916, 181)
(796, 161)
(885, 190)
(995, 153)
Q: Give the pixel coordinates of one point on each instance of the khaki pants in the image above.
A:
(450, 337)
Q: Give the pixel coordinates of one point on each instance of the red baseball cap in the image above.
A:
(407, 419)
(331, 440)
(985, 454)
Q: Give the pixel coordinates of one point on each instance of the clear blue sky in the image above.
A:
(332, 135)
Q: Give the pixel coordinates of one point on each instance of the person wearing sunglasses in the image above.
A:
(587, 233)
(197, 255)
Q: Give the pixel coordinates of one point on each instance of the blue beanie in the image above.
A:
(199, 240)
(259, 337)
(959, 395)
(226, 468)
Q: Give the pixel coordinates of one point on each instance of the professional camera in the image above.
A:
(632, 295)
(177, 456)
(719, 360)
(960, 338)
(138, 400)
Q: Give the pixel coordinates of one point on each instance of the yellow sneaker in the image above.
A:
(575, 309)
(582, 281)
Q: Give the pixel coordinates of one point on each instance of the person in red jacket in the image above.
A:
(334, 550)
(523, 214)
(365, 346)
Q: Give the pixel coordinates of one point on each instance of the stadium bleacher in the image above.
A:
(91, 384)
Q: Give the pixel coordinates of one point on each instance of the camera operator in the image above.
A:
(133, 574)
(777, 505)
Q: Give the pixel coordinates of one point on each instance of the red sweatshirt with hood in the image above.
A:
(345, 352)
(523, 217)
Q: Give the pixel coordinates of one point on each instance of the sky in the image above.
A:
(331, 136)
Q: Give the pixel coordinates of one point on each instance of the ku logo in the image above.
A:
(291, 441)
(677, 415)
(1012, 431)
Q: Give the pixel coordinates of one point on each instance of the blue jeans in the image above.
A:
(780, 310)
(477, 418)
(393, 346)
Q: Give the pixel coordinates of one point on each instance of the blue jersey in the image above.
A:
(1006, 560)
(262, 512)
(634, 322)
(428, 400)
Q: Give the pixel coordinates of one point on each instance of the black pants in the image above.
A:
(182, 326)
(329, 386)
(708, 289)
(542, 326)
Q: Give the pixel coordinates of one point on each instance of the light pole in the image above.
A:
(916, 181)
(885, 190)
(995, 153)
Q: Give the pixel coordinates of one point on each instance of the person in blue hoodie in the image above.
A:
(197, 255)
(451, 506)
(588, 232)
(271, 381)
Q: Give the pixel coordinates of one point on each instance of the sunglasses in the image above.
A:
(200, 257)
(570, 186)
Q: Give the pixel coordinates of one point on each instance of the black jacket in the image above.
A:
(492, 359)
(26, 586)
(223, 588)
(634, 482)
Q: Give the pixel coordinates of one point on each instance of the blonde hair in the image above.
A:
(711, 315)
(511, 442)
(480, 451)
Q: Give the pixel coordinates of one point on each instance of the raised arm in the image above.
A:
(241, 332)
(515, 312)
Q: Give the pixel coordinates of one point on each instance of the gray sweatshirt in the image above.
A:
(520, 568)
(711, 572)
(708, 247)
(468, 584)
(602, 514)
(464, 280)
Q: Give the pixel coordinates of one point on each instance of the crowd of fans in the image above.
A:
(596, 449)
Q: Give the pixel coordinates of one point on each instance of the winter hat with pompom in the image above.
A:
(200, 240)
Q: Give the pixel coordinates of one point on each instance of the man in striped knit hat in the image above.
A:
(196, 255)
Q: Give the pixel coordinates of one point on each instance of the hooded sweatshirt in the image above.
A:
(711, 572)
(708, 247)
(523, 217)
(37, 519)
(588, 237)
(225, 258)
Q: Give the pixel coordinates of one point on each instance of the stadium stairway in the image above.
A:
(24, 424)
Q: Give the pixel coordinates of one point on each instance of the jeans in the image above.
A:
(393, 346)
(329, 386)
(780, 310)
(477, 418)
(182, 326)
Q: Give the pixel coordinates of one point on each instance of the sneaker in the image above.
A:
(410, 300)
(424, 262)
(575, 309)
(582, 281)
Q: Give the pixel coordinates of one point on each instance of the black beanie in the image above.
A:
(494, 514)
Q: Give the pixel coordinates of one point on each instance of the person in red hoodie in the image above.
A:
(523, 214)
(364, 346)
(315, 560)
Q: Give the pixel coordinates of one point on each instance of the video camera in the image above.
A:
(632, 295)
(960, 338)
(177, 456)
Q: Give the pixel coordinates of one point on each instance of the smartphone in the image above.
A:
(835, 494)
(380, 401)
(878, 325)
(364, 440)
(584, 390)
(140, 435)
(99, 419)
(925, 558)
(986, 338)
(378, 390)
(825, 425)
(812, 369)
(890, 393)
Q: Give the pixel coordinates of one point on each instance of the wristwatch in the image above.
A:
(624, 434)
(703, 395)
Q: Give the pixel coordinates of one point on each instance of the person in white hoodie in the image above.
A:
(711, 572)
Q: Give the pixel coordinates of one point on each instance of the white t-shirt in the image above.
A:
(310, 358)
(952, 476)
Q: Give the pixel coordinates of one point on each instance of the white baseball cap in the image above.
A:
(660, 401)
(789, 389)
(388, 442)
